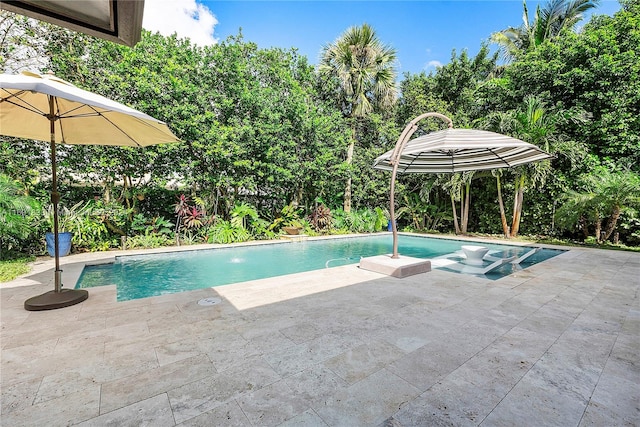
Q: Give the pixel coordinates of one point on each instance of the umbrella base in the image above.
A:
(53, 300)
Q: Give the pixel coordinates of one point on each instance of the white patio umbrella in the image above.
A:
(449, 151)
(46, 108)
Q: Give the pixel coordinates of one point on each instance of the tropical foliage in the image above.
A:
(548, 23)
(16, 214)
(270, 140)
(364, 69)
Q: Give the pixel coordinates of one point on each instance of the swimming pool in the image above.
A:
(141, 276)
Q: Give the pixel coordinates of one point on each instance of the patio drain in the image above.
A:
(209, 301)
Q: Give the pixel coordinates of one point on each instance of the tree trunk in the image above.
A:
(298, 195)
(462, 226)
(598, 228)
(612, 222)
(503, 215)
(347, 187)
(455, 214)
(466, 198)
(585, 227)
(517, 206)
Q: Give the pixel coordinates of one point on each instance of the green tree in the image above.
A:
(451, 90)
(536, 124)
(605, 196)
(365, 70)
(548, 23)
(596, 71)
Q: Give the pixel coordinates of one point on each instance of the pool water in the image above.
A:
(141, 276)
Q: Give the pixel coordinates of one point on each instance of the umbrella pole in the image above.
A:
(395, 161)
(58, 298)
(55, 199)
(392, 211)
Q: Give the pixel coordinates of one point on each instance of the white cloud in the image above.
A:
(187, 18)
(433, 64)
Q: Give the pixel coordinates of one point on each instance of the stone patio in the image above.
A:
(557, 344)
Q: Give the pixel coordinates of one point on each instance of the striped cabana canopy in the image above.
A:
(458, 150)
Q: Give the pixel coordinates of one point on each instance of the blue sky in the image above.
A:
(422, 32)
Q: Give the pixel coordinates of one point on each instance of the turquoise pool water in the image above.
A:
(141, 276)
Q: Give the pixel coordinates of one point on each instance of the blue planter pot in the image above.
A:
(64, 243)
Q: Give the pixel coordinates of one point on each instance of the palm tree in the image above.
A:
(607, 195)
(536, 125)
(548, 23)
(365, 70)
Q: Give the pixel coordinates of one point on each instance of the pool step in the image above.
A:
(401, 267)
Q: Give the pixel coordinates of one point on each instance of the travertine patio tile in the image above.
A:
(302, 332)
(197, 397)
(121, 317)
(368, 402)
(452, 401)
(555, 344)
(125, 391)
(11, 316)
(373, 326)
(176, 351)
(104, 371)
(316, 384)
(625, 352)
(395, 303)
(615, 400)
(19, 395)
(269, 324)
(291, 360)
(540, 403)
(226, 415)
(128, 359)
(269, 342)
(36, 350)
(428, 364)
(358, 363)
(407, 339)
(23, 368)
(108, 333)
(272, 405)
(84, 343)
(548, 320)
(182, 327)
(517, 306)
(228, 350)
(63, 384)
(308, 418)
(43, 330)
(63, 411)
(154, 411)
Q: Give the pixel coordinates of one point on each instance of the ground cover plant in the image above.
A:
(10, 269)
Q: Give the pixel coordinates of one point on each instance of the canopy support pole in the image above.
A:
(58, 298)
(406, 134)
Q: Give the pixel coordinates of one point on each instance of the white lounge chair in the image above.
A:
(516, 260)
(461, 267)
